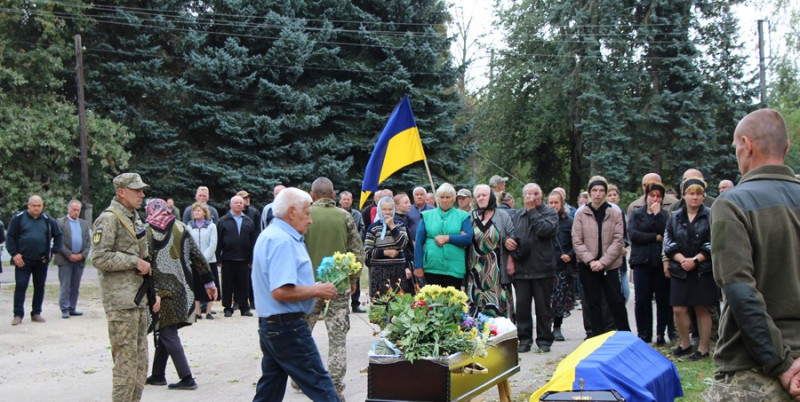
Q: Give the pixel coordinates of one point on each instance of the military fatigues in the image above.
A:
(333, 229)
(115, 254)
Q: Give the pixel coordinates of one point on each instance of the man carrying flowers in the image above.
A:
(333, 230)
(283, 283)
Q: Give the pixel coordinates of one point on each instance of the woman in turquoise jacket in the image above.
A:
(443, 235)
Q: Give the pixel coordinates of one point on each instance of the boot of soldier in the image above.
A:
(557, 335)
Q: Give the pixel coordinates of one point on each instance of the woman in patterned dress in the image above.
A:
(487, 279)
(173, 254)
(383, 245)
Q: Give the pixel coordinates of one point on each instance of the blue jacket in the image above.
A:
(17, 231)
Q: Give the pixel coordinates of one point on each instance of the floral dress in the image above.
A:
(483, 277)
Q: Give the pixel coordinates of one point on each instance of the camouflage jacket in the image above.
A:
(324, 235)
(115, 252)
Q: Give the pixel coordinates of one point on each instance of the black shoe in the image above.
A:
(679, 351)
(660, 340)
(543, 349)
(357, 309)
(247, 313)
(75, 313)
(185, 383)
(557, 335)
(198, 316)
(156, 380)
(645, 338)
(65, 314)
(524, 348)
(209, 316)
(228, 313)
(698, 356)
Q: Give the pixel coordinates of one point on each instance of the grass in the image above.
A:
(696, 376)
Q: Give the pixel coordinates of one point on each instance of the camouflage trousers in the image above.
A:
(127, 331)
(337, 321)
(745, 386)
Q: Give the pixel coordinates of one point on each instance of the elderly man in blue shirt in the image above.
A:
(283, 282)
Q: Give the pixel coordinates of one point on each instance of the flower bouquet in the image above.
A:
(337, 270)
(433, 323)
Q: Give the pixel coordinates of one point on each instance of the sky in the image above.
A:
(481, 13)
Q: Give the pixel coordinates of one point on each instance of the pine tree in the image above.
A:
(246, 95)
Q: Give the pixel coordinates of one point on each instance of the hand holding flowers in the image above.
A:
(337, 269)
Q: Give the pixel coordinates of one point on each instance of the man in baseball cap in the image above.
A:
(464, 198)
(129, 180)
(498, 185)
(253, 213)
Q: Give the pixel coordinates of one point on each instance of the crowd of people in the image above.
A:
(533, 264)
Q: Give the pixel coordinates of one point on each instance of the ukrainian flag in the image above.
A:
(399, 145)
(620, 361)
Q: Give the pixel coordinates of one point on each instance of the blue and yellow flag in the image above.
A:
(398, 146)
(619, 361)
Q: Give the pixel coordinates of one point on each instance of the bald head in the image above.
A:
(761, 138)
(725, 185)
(650, 177)
(277, 189)
(692, 173)
(322, 187)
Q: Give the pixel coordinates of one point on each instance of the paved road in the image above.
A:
(233, 374)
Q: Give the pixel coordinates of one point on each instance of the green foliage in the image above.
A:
(247, 95)
(784, 88)
(38, 127)
(614, 88)
(431, 324)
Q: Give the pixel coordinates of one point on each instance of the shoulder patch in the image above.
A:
(98, 234)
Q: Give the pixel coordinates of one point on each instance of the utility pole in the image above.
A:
(761, 66)
(87, 206)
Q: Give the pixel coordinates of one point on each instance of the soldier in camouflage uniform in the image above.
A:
(117, 253)
(332, 229)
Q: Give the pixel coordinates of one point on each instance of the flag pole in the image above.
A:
(433, 188)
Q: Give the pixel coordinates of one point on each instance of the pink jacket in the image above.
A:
(585, 233)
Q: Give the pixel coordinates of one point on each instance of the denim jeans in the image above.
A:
(22, 276)
(290, 351)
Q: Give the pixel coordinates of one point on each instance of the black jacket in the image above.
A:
(688, 239)
(562, 244)
(534, 231)
(233, 245)
(16, 230)
(642, 231)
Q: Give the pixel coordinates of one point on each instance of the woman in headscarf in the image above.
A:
(487, 279)
(173, 255)
(383, 246)
(563, 299)
(443, 235)
(204, 234)
(687, 244)
(646, 231)
(597, 239)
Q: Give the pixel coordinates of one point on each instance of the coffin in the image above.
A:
(454, 378)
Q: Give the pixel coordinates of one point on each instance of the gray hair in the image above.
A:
(345, 192)
(74, 201)
(290, 197)
(419, 188)
(444, 189)
(529, 186)
(322, 187)
(479, 186)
